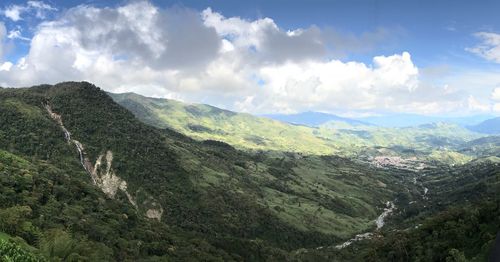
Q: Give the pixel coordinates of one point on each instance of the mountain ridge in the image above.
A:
(313, 119)
(489, 126)
(208, 192)
(218, 202)
(248, 132)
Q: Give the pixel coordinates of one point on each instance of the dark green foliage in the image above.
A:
(219, 203)
(199, 128)
(220, 144)
(486, 146)
(457, 222)
(11, 252)
(49, 200)
(457, 233)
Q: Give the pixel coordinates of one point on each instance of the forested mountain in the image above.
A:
(489, 126)
(437, 141)
(456, 219)
(83, 179)
(145, 192)
(207, 122)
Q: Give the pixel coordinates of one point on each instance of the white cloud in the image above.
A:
(476, 105)
(247, 65)
(495, 95)
(335, 84)
(263, 40)
(39, 8)
(16, 34)
(489, 49)
(13, 12)
(6, 66)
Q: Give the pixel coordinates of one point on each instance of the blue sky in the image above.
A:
(433, 31)
(426, 57)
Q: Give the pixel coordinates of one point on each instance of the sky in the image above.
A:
(352, 58)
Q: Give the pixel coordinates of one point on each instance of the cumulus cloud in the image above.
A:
(390, 83)
(265, 41)
(141, 33)
(489, 48)
(246, 65)
(111, 45)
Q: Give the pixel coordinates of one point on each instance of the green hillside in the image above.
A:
(429, 142)
(83, 179)
(148, 192)
(456, 219)
(240, 130)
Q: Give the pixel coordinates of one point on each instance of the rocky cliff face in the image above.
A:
(103, 175)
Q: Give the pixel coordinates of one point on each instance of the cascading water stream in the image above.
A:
(67, 136)
(106, 180)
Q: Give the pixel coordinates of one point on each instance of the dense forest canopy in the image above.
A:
(161, 195)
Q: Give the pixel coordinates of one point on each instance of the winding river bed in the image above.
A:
(380, 221)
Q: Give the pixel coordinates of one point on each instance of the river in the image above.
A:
(380, 221)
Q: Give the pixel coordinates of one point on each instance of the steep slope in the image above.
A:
(430, 142)
(482, 147)
(490, 126)
(458, 221)
(433, 141)
(456, 218)
(207, 122)
(82, 170)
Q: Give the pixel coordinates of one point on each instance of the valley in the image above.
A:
(440, 141)
(173, 180)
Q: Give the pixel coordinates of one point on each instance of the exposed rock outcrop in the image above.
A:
(102, 173)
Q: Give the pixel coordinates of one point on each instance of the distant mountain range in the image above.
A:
(87, 175)
(321, 134)
(314, 119)
(404, 120)
(490, 126)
